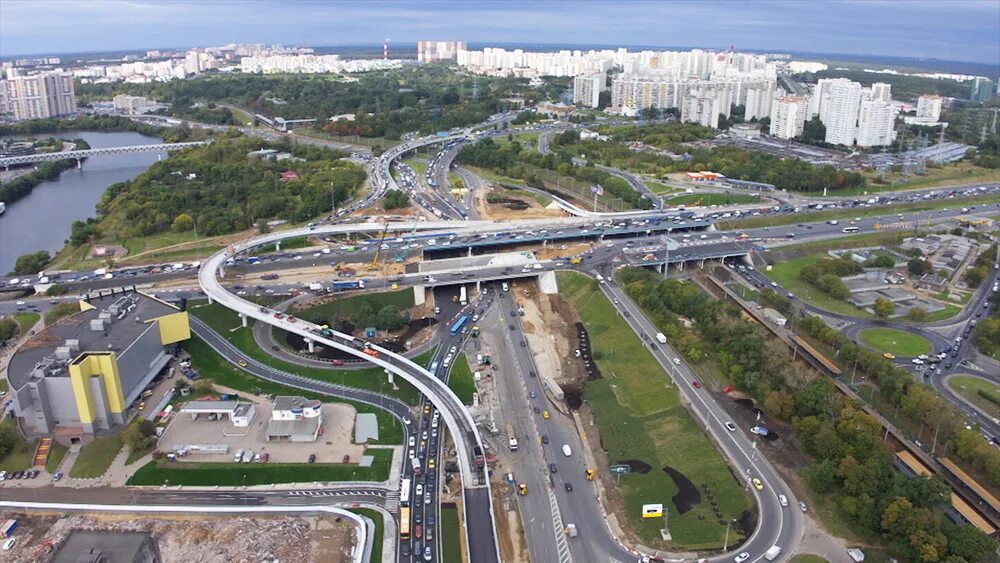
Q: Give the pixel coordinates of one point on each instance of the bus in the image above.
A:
(417, 468)
(850, 230)
(404, 493)
(457, 326)
(463, 297)
(404, 523)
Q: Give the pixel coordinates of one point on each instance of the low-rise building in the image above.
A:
(295, 418)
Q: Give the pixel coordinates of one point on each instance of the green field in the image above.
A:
(659, 188)
(814, 216)
(460, 381)
(25, 321)
(226, 323)
(972, 388)
(95, 458)
(451, 535)
(210, 365)
(786, 274)
(419, 166)
(56, 454)
(639, 414)
(19, 458)
(207, 474)
(376, 518)
(402, 299)
(807, 558)
(711, 199)
(897, 342)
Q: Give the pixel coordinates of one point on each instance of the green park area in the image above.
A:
(786, 275)
(227, 324)
(640, 418)
(348, 306)
(807, 558)
(711, 199)
(16, 454)
(982, 393)
(460, 380)
(95, 458)
(896, 342)
(205, 474)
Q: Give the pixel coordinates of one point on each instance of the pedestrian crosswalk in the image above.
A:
(562, 545)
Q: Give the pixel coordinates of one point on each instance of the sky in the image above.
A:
(959, 30)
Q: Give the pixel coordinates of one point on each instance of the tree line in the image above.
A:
(849, 461)
(23, 185)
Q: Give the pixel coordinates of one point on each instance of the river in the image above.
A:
(41, 220)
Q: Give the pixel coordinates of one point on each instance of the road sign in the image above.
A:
(620, 470)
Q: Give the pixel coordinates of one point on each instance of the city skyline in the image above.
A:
(877, 28)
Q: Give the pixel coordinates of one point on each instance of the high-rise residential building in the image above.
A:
(38, 96)
(841, 100)
(788, 116)
(430, 51)
(982, 90)
(876, 123)
(704, 105)
(881, 92)
(587, 89)
(759, 101)
(929, 107)
(816, 98)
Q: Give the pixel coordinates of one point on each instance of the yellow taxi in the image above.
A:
(545, 415)
(757, 484)
(430, 463)
(889, 356)
(242, 363)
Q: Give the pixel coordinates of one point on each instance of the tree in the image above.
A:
(31, 263)
(139, 435)
(389, 318)
(55, 290)
(182, 223)
(203, 387)
(884, 261)
(395, 199)
(975, 276)
(917, 314)
(9, 438)
(8, 329)
(813, 131)
(262, 227)
(918, 267)
(883, 307)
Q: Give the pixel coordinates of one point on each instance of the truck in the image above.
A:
(477, 455)
(773, 553)
(661, 338)
(463, 296)
(248, 456)
(760, 430)
(8, 528)
(417, 468)
(344, 285)
(512, 439)
(571, 530)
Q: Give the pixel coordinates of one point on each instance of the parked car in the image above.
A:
(312, 458)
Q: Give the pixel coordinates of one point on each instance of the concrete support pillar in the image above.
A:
(419, 295)
(680, 266)
(277, 246)
(711, 228)
(79, 164)
(243, 319)
(391, 378)
(311, 344)
(479, 287)
(547, 283)
(210, 302)
(701, 264)
(470, 252)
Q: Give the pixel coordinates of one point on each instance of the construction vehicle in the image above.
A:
(378, 250)
(591, 475)
(522, 489)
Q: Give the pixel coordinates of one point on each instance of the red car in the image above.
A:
(338, 362)
(696, 384)
(278, 316)
(418, 531)
(264, 457)
(291, 319)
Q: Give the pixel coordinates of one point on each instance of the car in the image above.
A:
(419, 491)
(545, 438)
(889, 356)
(427, 554)
(545, 415)
(427, 408)
(242, 363)
(696, 384)
(9, 544)
(569, 487)
(677, 361)
(430, 463)
(802, 506)
(532, 394)
(412, 441)
(537, 410)
(312, 458)
(510, 327)
(730, 426)
(742, 557)
(553, 468)
(57, 476)
(532, 374)
(265, 457)
(783, 500)
(337, 362)
(757, 484)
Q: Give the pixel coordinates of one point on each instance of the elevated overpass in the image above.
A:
(480, 526)
(79, 155)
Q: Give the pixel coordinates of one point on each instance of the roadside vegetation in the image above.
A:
(206, 474)
(96, 457)
(640, 417)
(849, 466)
(460, 379)
(982, 393)
(896, 342)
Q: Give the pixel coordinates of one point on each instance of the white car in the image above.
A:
(419, 490)
(742, 557)
(783, 500)
(677, 361)
(730, 426)
(9, 544)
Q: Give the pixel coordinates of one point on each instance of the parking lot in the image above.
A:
(331, 446)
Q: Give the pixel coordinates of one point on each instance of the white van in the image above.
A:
(567, 451)
(239, 456)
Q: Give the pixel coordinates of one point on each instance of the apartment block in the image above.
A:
(39, 96)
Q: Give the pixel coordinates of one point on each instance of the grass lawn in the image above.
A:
(972, 388)
(897, 342)
(56, 454)
(376, 518)
(640, 417)
(460, 380)
(949, 174)
(786, 274)
(95, 458)
(451, 535)
(792, 218)
(226, 323)
(136, 455)
(210, 365)
(419, 166)
(402, 299)
(807, 558)
(659, 188)
(234, 474)
(948, 312)
(711, 199)
(25, 321)
(19, 458)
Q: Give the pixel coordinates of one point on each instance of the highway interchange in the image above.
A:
(615, 238)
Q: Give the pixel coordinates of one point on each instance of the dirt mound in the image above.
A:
(636, 465)
(688, 496)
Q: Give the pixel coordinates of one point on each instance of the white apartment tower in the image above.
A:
(39, 96)
(876, 123)
(881, 92)
(587, 89)
(838, 110)
(929, 107)
(788, 116)
(704, 106)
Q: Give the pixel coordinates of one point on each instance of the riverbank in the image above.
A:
(22, 185)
